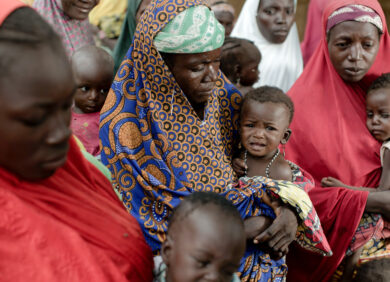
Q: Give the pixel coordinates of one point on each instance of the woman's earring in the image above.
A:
(239, 146)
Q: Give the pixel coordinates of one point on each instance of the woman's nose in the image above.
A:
(281, 18)
(355, 53)
(212, 73)
(59, 131)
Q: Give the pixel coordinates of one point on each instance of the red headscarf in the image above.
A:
(69, 227)
(313, 29)
(330, 138)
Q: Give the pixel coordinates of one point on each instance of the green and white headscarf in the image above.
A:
(195, 30)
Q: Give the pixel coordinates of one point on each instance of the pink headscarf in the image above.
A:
(74, 33)
(313, 30)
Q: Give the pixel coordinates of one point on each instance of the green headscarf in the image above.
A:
(195, 30)
(126, 35)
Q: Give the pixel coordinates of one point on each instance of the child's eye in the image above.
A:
(385, 115)
(84, 88)
(249, 125)
(202, 263)
(270, 128)
(369, 115)
(104, 91)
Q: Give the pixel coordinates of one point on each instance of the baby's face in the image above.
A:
(263, 126)
(206, 246)
(93, 85)
(378, 113)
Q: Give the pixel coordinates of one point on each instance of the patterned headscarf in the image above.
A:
(195, 30)
(357, 13)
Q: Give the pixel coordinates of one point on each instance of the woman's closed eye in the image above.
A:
(33, 121)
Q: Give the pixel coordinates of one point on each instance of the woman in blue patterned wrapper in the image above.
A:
(169, 122)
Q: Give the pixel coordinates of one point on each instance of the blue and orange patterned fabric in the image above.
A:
(248, 195)
(157, 148)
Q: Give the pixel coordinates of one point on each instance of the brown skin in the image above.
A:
(378, 123)
(35, 112)
(248, 71)
(196, 75)
(226, 19)
(263, 127)
(78, 9)
(353, 47)
(141, 9)
(204, 246)
(275, 19)
(93, 71)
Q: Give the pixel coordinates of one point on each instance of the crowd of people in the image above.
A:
(176, 140)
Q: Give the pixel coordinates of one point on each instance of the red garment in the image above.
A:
(313, 29)
(7, 7)
(330, 138)
(86, 128)
(69, 227)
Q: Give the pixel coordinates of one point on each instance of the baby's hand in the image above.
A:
(331, 182)
(239, 166)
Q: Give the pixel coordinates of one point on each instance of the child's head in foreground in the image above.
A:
(266, 114)
(374, 271)
(205, 239)
(378, 108)
(240, 61)
(93, 69)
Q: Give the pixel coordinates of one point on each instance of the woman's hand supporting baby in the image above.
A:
(277, 235)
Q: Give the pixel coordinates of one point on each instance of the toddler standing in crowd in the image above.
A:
(205, 241)
(93, 70)
(240, 61)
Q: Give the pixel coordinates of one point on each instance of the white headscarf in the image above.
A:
(281, 64)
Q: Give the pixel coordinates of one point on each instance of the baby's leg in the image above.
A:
(350, 265)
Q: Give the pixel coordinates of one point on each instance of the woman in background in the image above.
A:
(270, 25)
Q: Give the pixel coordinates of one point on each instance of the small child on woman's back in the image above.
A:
(205, 241)
(240, 61)
(378, 123)
(93, 71)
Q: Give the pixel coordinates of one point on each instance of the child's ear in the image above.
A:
(286, 136)
(166, 250)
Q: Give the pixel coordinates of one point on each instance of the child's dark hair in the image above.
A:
(374, 270)
(381, 82)
(232, 52)
(199, 199)
(271, 94)
(23, 27)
